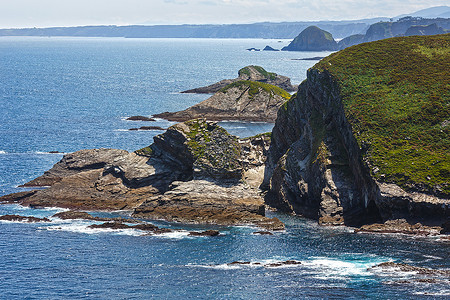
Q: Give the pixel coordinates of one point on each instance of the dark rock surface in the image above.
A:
(268, 48)
(312, 39)
(252, 73)
(400, 226)
(74, 215)
(119, 225)
(205, 233)
(309, 58)
(147, 128)
(400, 267)
(140, 118)
(242, 100)
(18, 218)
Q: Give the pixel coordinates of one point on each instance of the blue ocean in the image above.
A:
(67, 94)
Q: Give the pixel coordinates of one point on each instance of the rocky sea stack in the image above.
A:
(195, 172)
(366, 139)
(251, 73)
(242, 100)
(312, 39)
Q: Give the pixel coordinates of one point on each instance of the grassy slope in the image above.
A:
(396, 93)
(255, 87)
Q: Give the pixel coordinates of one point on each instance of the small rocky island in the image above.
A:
(242, 100)
(312, 39)
(249, 73)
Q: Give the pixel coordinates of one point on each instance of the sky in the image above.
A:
(49, 13)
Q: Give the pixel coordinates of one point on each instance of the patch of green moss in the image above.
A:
(396, 96)
(255, 88)
(212, 143)
(260, 70)
(147, 151)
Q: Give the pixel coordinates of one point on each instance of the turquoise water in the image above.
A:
(66, 94)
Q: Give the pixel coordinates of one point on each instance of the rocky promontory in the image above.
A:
(251, 73)
(243, 100)
(312, 39)
(366, 139)
(193, 173)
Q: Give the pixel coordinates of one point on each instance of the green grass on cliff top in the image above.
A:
(255, 87)
(396, 94)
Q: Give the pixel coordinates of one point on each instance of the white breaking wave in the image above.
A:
(336, 268)
(3, 152)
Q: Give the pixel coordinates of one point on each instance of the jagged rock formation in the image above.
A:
(312, 39)
(252, 73)
(363, 140)
(194, 172)
(242, 100)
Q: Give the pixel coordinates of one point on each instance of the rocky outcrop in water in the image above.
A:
(312, 39)
(251, 73)
(18, 218)
(242, 100)
(192, 173)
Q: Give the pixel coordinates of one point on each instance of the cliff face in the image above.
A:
(357, 145)
(314, 168)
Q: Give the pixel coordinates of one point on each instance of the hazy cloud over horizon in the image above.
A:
(46, 13)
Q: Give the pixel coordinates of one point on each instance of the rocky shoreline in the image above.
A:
(192, 173)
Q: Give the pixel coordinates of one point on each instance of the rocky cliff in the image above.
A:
(366, 138)
(406, 26)
(195, 172)
(252, 73)
(242, 100)
(312, 39)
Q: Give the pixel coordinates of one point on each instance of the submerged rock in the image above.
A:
(18, 218)
(205, 233)
(243, 100)
(147, 128)
(140, 118)
(400, 226)
(251, 73)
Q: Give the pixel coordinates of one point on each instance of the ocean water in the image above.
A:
(66, 94)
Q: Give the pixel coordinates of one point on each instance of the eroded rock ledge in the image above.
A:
(192, 173)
